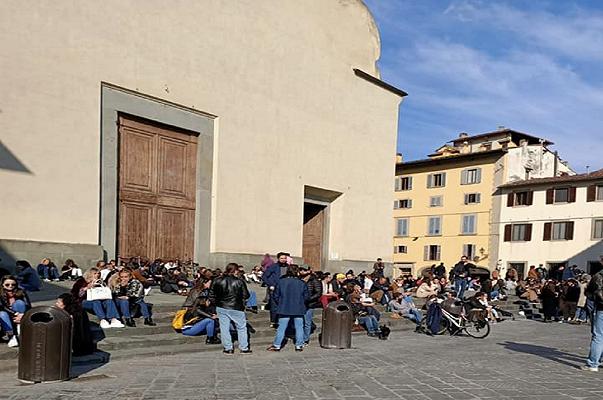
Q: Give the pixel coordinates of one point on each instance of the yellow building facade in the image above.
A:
(443, 210)
(447, 206)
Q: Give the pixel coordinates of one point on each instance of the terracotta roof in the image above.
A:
(451, 158)
(520, 135)
(596, 175)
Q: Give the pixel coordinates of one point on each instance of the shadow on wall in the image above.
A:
(10, 162)
(587, 256)
(7, 262)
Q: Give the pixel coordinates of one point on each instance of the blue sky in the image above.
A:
(471, 66)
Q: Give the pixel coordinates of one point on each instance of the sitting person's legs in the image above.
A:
(205, 326)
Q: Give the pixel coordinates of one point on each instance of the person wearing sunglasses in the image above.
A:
(13, 304)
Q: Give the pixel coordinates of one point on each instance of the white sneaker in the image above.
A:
(13, 342)
(115, 323)
(104, 324)
(147, 291)
(46, 280)
(588, 368)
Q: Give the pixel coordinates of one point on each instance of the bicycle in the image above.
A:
(472, 323)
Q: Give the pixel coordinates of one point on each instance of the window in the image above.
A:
(436, 201)
(471, 176)
(486, 146)
(432, 252)
(405, 203)
(594, 193)
(520, 267)
(434, 226)
(518, 233)
(403, 183)
(598, 229)
(468, 224)
(561, 195)
(524, 198)
(469, 251)
(558, 230)
(400, 249)
(436, 180)
(472, 198)
(402, 227)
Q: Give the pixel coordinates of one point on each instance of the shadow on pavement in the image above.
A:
(549, 353)
(84, 364)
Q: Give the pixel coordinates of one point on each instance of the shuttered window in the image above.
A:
(525, 198)
(436, 180)
(403, 183)
(473, 198)
(404, 203)
(468, 224)
(432, 252)
(471, 176)
(434, 226)
(469, 251)
(598, 229)
(402, 227)
(561, 195)
(436, 201)
(518, 233)
(558, 230)
(400, 249)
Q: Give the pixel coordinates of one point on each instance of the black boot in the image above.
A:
(130, 322)
(213, 340)
(149, 321)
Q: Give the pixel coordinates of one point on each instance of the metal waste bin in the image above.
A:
(337, 321)
(45, 348)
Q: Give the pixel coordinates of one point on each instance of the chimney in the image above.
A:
(556, 163)
(463, 135)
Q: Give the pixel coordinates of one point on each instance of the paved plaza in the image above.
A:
(519, 360)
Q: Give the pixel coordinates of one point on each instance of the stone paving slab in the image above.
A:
(519, 360)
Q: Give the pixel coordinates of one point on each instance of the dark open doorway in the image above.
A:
(314, 234)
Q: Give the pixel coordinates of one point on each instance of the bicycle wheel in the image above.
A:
(443, 326)
(477, 328)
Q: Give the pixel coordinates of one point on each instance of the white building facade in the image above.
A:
(551, 222)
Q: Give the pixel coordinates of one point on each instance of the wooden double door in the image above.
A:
(314, 235)
(157, 186)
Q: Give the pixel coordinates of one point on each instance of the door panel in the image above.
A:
(156, 190)
(313, 235)
(136, 229)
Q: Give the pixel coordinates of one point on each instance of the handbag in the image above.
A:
(99, 293)
(178, 320)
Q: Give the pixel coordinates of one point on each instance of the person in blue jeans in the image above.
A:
(460, 272)
(403, 305)
(290, 295)
(127, 292)
(201, 320)
(28, 277)
(314, 293)
(105, 310)
(229, 293)
(594, 291)
(362, 315)
(13, 304)
(47, 270)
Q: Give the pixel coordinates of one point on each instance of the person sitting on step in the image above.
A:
(13, 304)
(129, 292)
(105, 310)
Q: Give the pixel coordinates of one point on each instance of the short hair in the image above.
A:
(282, 253)
(26, 264)
(231, 268)
(293, 270)
(379, 259)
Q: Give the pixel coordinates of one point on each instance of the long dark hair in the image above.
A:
(17, 292)
(71, 304)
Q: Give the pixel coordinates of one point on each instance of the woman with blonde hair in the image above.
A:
(105, 310)
(129, 291)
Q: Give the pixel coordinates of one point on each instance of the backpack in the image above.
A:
(178, 320)
(434, 318)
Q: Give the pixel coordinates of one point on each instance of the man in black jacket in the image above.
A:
(460, 273)
(313, 302)
(594, 292)
(229, 294)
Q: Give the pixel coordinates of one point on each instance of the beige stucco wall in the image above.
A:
(278, 75)
(451, 240)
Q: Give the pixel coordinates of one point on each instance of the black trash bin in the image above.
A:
(337, 321)
(45, 348)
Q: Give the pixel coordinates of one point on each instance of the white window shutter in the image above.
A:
(425, 253)
(409, 182)
(438, 252)
(464, 177)
(478, 197)
(429, 180)
(466, 199)
(409, 203)
(443, 179)
(478, 175)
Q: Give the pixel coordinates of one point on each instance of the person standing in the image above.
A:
(594, 292)
(313, 302)
(291, 295)
(271, 278)
(440, 271)
(378, 268)
(229, 294)
(460, 273)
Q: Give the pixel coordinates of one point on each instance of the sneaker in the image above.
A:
(56, 280)
(13, 342)
(231, 351)
(246, 351)
(147, 291)
(46, 280)
(589, 368)
(299, 349)
(104, 324)
(115, 323)
(273, 348)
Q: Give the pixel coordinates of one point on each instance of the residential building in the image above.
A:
(205, 130)
(444, 205)
(552, 222)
